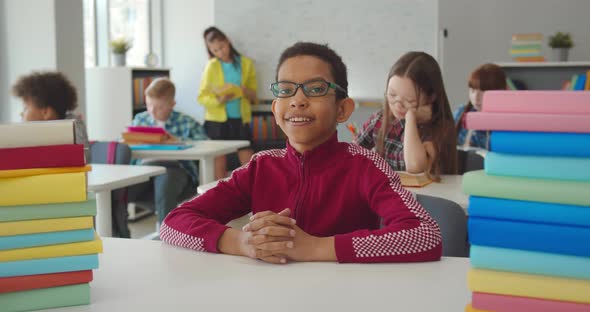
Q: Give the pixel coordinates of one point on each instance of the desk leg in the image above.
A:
(207, 169)
(104, 214)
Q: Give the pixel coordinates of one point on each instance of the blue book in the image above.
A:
(541, 143)
(559, 239)
(580, 83)
(531, 262)
(162, 147)
(43, 239)
(528, 211)
(48, 265)
(540, 167)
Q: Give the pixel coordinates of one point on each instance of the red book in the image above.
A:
(20, 283)
(49, 156)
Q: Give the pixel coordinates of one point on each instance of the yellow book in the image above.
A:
(470, 308)
(529, 285)
(413, 179)
(52, 251)
(45, 225)
(587, 86)
(229, 88)
(43, 189)
(40, 171)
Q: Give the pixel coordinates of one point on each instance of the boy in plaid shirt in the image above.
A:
(181, 178)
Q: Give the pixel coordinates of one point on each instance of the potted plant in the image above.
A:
(560, 43)
(119, 48)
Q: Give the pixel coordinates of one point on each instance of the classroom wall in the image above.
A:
(4, 106)
(183, 48)
(369, 38)
(39, 35)
(489, 25)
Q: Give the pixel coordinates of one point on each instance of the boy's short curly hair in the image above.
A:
(323, 52)
(161, 88)
(47, 89)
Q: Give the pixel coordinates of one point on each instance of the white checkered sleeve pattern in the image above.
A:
(177, 238)
(420, 239)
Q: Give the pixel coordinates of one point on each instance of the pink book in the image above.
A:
(529, 122)
(544, 102)
(493, 302)
(145, 129)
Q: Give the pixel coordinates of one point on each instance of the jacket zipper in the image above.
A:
(300, 190)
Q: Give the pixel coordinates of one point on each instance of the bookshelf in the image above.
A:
(544, 75)
(114, 95)
(266, 134)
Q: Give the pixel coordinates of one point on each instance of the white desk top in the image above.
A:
(108, 177)
(450, 187)
(199, 150)
(139, 275)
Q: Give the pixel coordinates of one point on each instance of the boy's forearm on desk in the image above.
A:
(229, 242)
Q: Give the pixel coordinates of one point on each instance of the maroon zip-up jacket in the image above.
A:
(337, 189)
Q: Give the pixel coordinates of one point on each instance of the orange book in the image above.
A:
(530, 59)
(20, 283)
(413, 180)
(138, 137)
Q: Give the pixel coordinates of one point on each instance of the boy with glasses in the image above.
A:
(316, 200)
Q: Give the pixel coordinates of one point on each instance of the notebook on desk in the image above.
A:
(162, 147)
(413, 180)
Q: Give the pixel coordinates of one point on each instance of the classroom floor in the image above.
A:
(143, 227)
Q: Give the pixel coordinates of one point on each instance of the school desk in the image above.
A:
(142, 275)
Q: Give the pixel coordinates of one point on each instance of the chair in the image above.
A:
(469, 160)
(114, 153)
(452, 220)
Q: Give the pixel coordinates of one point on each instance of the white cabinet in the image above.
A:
(113, 96)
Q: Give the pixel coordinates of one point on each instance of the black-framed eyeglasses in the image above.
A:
(312, 88)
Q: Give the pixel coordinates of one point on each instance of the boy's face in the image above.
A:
(159, 108)
(309, 121)
(31, 112)
(220, 49)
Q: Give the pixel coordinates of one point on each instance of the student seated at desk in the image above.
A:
(51, 96)
(181, 178)
(414, 130)
(483, 78)
(294, 218)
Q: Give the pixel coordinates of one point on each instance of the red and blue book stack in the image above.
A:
(529, 209)
(48, 247)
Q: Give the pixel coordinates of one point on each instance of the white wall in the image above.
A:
(34, 33)
(69, 36)
(484, 35)
(184, 51)
(370, 36)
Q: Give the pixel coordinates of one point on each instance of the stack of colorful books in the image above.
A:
(48, 246)
(529, 210)
(527, 47)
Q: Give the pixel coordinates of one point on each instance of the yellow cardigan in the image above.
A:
(213, 77)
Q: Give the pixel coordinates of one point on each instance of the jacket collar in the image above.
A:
(318, 156)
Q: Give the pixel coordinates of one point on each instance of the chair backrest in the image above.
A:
(452, 220)
(110, 153)
(469, 161)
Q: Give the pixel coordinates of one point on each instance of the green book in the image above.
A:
(48, 211)
(540, 190)
(45, 298)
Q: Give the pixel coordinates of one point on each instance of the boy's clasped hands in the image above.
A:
(275, 238)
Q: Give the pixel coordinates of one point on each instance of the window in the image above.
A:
(89, 33)
(105, 20)
(130, 19)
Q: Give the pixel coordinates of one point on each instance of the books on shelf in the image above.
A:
(37, 133)
(526, 47)
(413, 180)
(264, 128)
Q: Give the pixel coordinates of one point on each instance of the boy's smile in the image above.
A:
(308, 121)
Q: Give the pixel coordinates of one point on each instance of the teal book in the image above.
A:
(44, 239)
(160, 147)
(45, 298)
(48, 265)
(48, 211)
